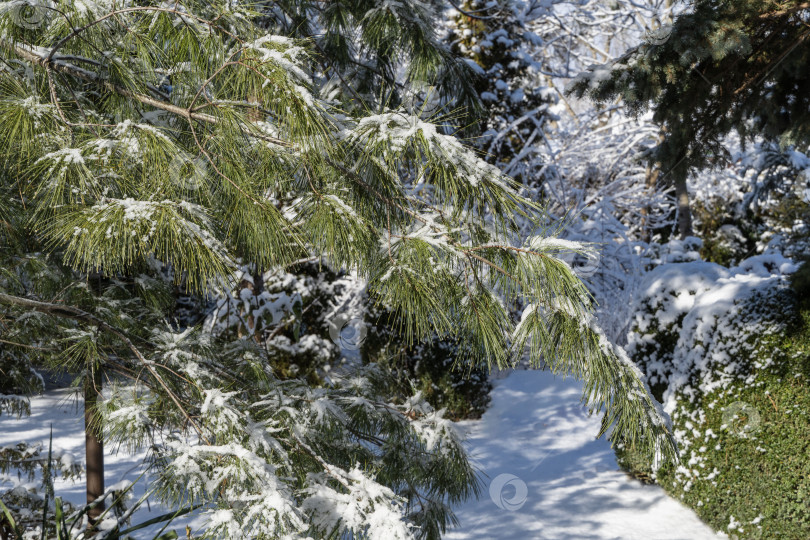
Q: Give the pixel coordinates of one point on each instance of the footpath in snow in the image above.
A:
(547, 477)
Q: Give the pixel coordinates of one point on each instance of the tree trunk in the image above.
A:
(684, 210)
(258, 288)
(94, 448)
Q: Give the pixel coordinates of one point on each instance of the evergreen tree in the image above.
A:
(722, 66)
(155, 145)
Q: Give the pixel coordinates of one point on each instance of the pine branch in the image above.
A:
(90, 76)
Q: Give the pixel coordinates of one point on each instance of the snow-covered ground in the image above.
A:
(546, 475)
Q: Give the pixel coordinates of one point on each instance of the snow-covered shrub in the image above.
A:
(727, 237)
(288, 312)
(24, 521)
(669, 293)
(727, 350)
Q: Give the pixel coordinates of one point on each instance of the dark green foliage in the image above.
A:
(17, 381)
(285, 312)
(321, 284)
(726, 239)
(431, 367)
(660, 348)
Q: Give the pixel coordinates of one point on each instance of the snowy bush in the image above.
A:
(23, 509)
(728, 352)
